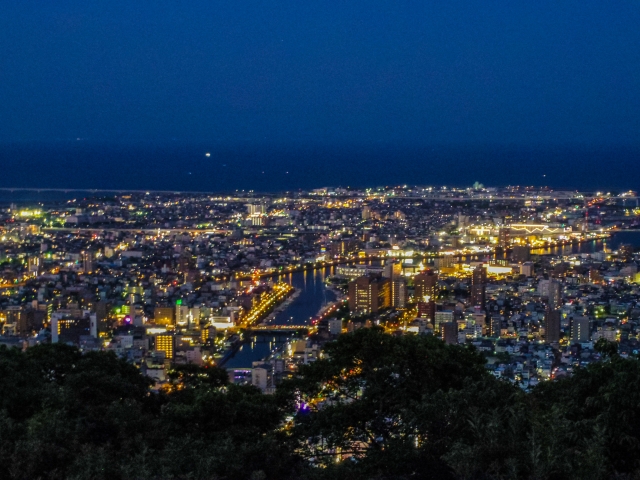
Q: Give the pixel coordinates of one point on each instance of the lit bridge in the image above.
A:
(532, 229)
(134, 230)
(280, 328)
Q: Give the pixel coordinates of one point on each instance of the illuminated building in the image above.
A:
(66, 328)
(256, 209)
(479, 286)
(34, 264)
(343, 248)
(444, 262)
(426, 285)
(427, 310)
(87, 262)
(16, 318)
(497, 269)
(346, 271)
(445, 316)
(369, 294)
(208, 333)
(580, 330)
(503, 237)
(552, 291)
(398, 292)
(182, 314)
(164, 315)
(393, 271)
(165, 343)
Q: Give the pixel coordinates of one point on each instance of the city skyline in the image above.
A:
(363, 240)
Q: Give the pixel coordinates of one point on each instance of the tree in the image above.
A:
(363, 398)
(606, 348)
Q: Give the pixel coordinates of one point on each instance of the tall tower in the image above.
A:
(479, 286)
(398, 292)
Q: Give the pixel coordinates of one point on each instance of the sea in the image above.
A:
(202, 167)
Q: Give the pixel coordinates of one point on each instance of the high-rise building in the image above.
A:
(182, 315)
(552, 291)
(479, 321)
(445, 316)
(87, 261)
(398, 292)
(34, 264)
(426, 285)
(427, 310)
(165, 342)
(369, 294)
(449, 333)
(495, 326)
(580, 330)
(392, 269)
(504, 237)
(479, 286)
(67, 328)
(552, 326)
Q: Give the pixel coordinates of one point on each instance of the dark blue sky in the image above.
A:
(399, 72)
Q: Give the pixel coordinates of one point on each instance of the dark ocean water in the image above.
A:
(185, 167)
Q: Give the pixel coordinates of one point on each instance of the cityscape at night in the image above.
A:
(539, 284)
(363, 240)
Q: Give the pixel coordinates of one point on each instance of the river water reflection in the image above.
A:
(611, 243)
(311, 295)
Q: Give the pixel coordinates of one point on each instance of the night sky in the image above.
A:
(293, 72)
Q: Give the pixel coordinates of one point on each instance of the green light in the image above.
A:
(179, 302)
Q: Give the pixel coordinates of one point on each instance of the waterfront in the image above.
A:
(312, 297)
(612, 243)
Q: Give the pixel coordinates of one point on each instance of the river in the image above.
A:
(312, 296)
(611, 243)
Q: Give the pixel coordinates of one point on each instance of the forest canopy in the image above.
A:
(375, 406)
